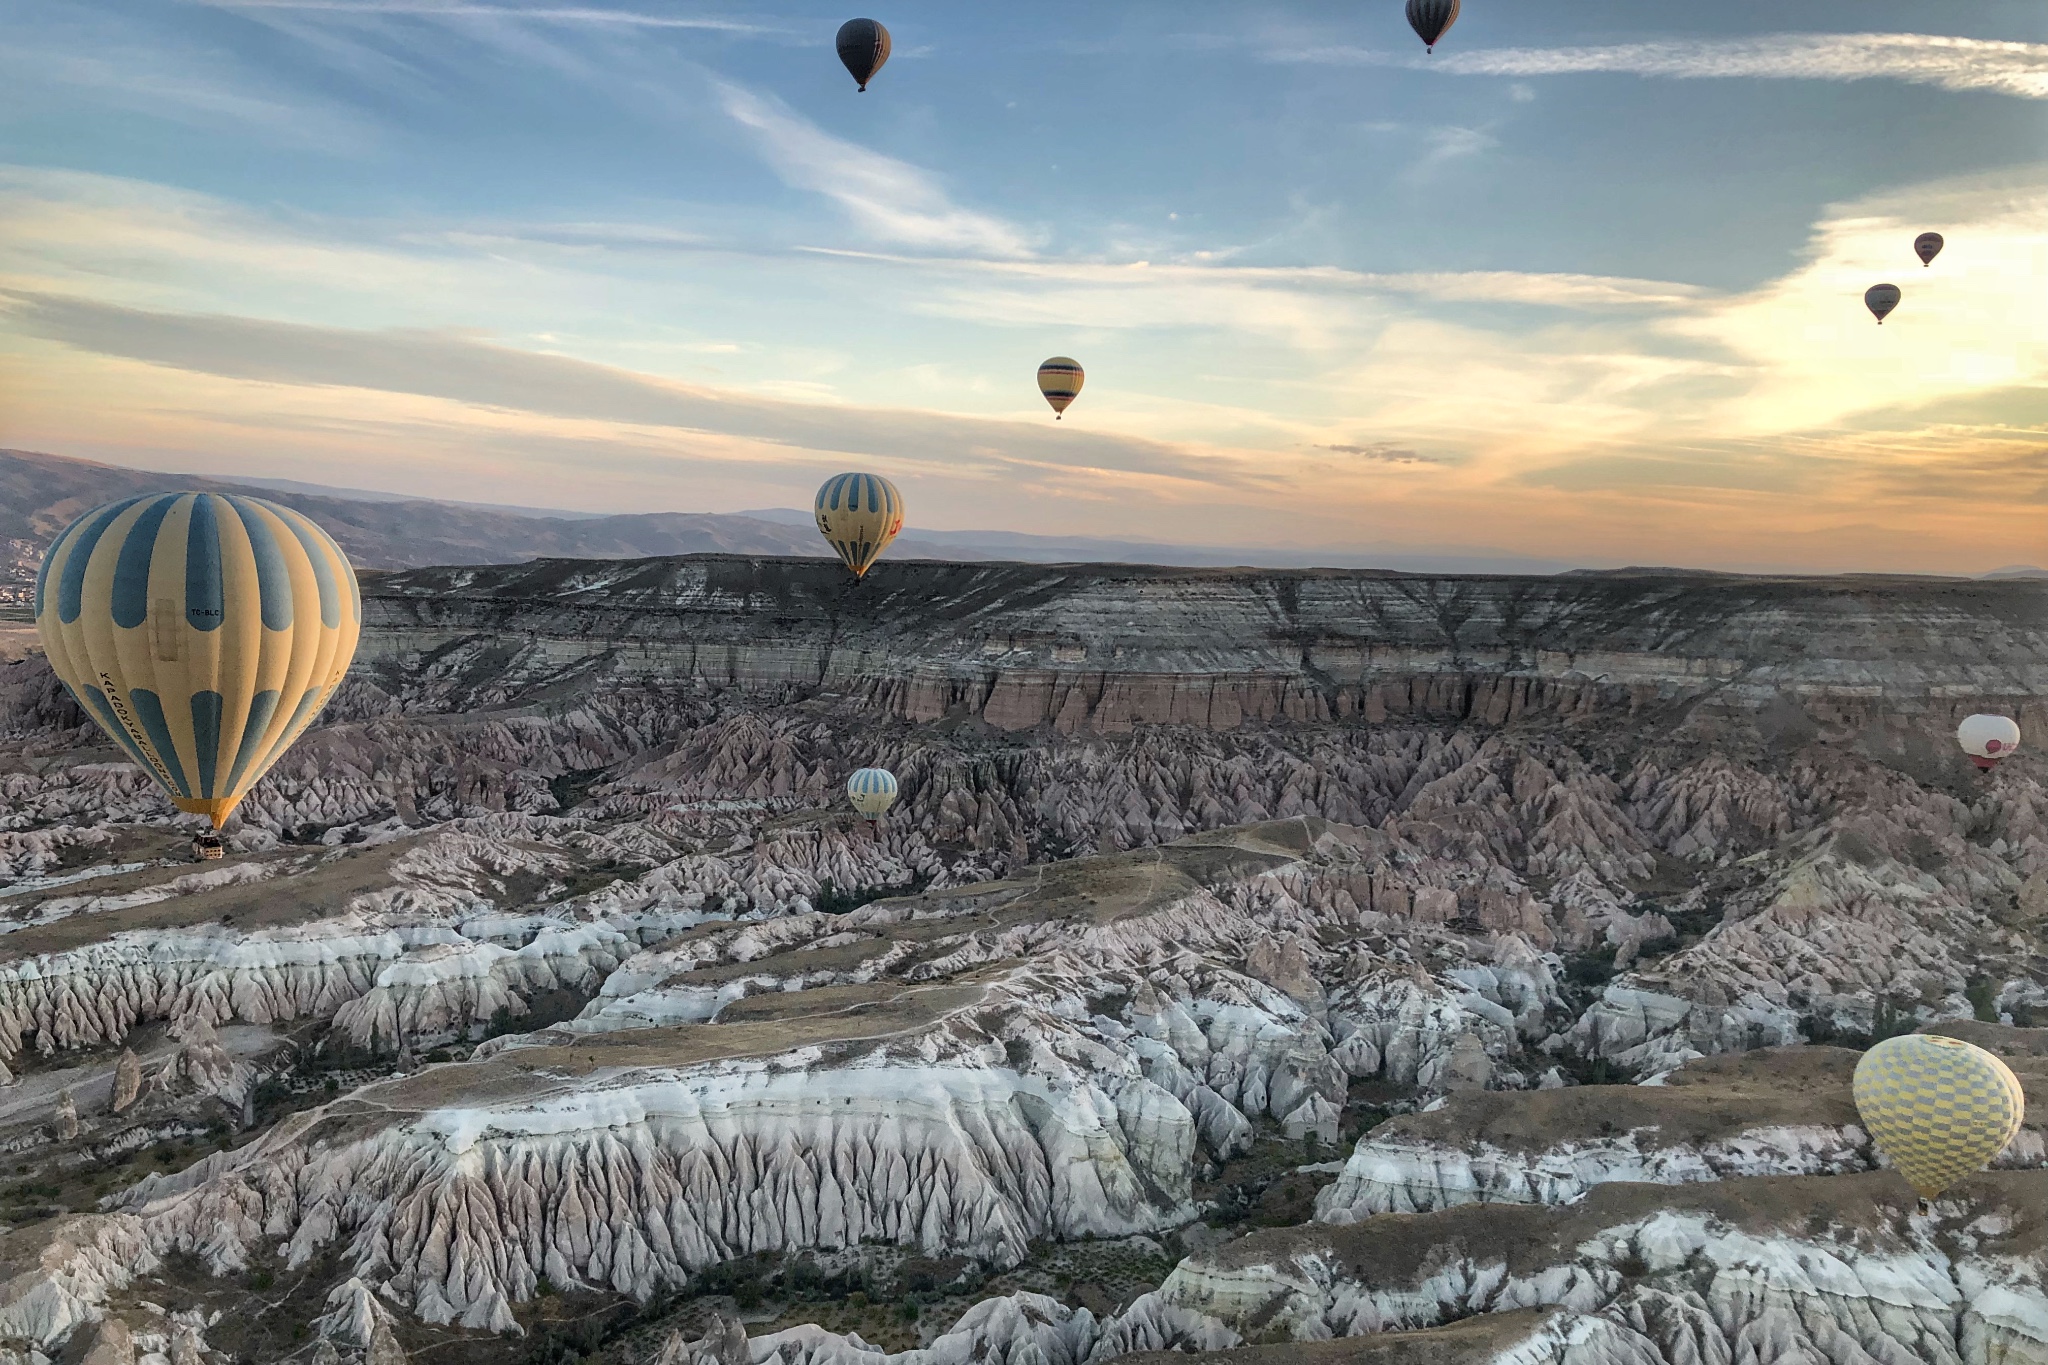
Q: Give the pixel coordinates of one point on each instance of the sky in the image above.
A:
(1584, 285)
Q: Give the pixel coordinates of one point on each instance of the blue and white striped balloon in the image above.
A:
(872, 791)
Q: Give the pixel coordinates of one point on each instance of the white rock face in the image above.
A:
(201, 1064)
(629, 1183)
(1405, 1176)
(1021, 1329)
(85, 1261)
(1692, 1282)
(353, 1315)
(441, 991)
(724, 1344)
(1024, 1329)
(1650, 1031)
(1775, 1112)
(426, 980)
(1030, 1330)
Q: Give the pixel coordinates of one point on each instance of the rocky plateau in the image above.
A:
(1320, 965)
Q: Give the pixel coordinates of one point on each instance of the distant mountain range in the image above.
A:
(40, 495)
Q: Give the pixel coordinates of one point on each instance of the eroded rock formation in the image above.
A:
(1190, 869)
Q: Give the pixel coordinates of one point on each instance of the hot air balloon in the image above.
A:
(872, 791)
(1881, 299)
(859, 514)
(863, 46)
(203, 632)
(1927, 246)
(1060, 380)
(1987, 739)
(1940, 1108)
(1431, 20)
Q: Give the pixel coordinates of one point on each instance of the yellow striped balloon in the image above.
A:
(1940, 1108)
(1060, 380)
(859, 514)
(203, 632)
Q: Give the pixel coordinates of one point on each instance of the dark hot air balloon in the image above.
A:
(1881, 299)
(1432, 19)
(863, 46)
(1060, 380)
(1927, 246)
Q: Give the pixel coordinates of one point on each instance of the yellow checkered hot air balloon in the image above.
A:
(859, 514)
(1939, 1108)
(203, 632)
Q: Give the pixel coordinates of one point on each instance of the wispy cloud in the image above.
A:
(2018, 69)
(1315, 307)
(893, 200)
(1447, 145)
(1329, 406)
(1386, 453)
(553, 14)
(119, 66)
(467, 370)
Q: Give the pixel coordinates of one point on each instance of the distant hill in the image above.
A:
(321, 490)
(40, 494)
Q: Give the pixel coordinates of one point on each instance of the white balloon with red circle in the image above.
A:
(1987, 739)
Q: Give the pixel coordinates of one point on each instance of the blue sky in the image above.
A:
(1584, 284)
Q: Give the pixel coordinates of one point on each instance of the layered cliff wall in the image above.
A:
(1105, 647)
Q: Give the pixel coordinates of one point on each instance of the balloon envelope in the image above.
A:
(1940, 1108)
(859, 514)
(1431, 19)
(1881, 299)
(1060, 380)
(203, 633)
(1987, 739)
(1927, 246)
(872, 791)
(863, 46)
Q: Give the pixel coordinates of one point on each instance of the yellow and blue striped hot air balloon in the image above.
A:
(1060, 380)
(203, 632)
(859, 514)
(1940, 1108)
(872, 791)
